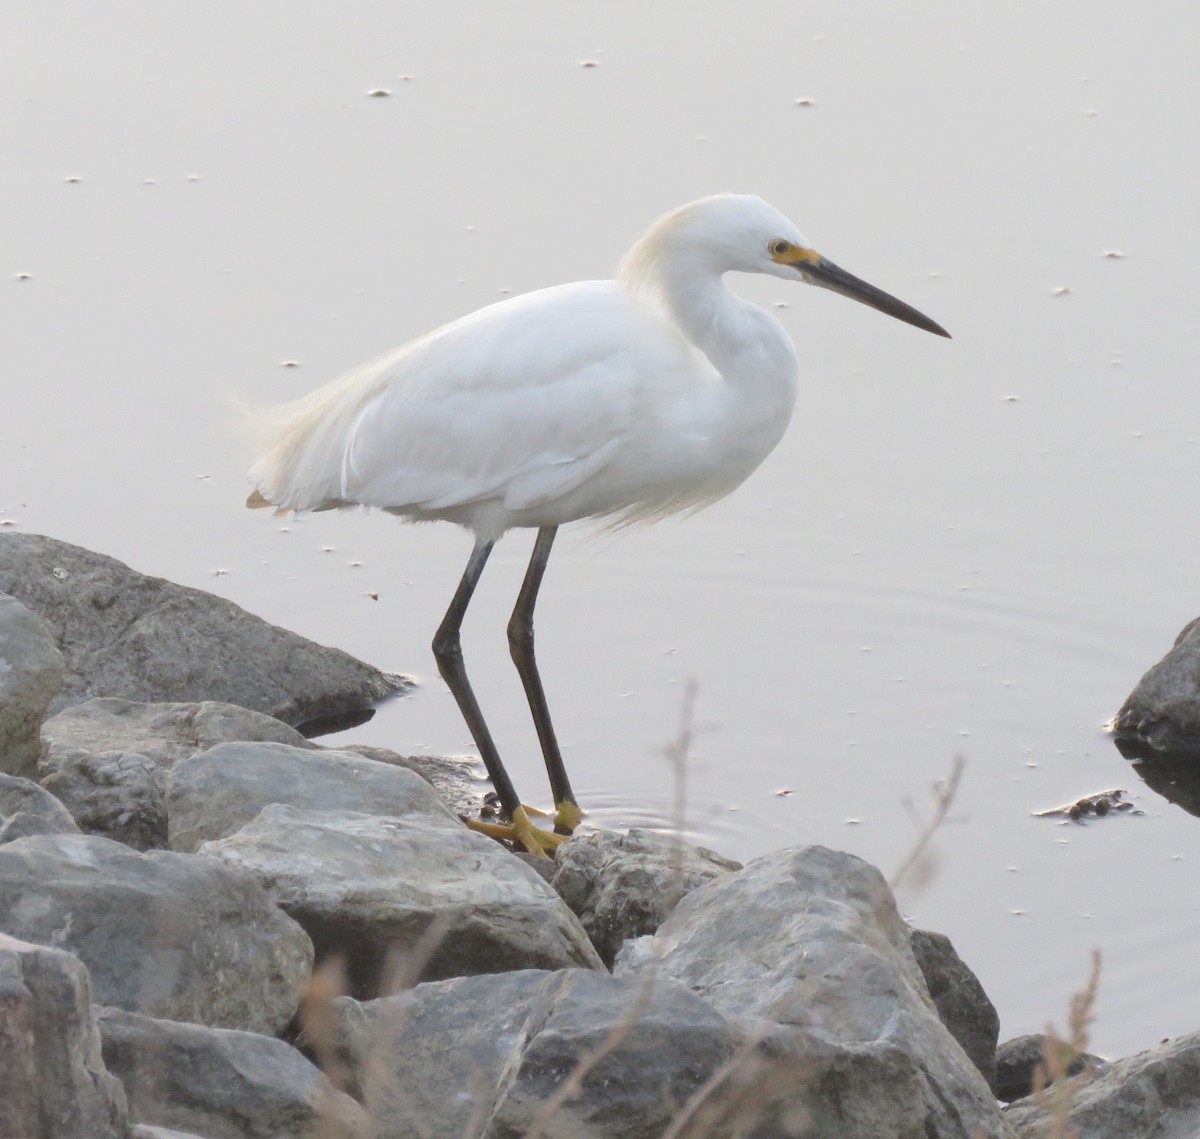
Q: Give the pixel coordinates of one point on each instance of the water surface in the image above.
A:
(969, 548)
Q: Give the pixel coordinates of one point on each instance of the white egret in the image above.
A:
(627, 399)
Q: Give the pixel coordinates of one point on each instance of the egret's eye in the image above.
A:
(779, 248)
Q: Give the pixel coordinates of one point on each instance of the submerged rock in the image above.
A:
(1163, 711)
(143, 638)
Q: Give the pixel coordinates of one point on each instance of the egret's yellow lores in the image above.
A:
(628, 399)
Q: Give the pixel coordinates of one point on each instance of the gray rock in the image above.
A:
(961, 1003)
(53, 1084)
(1153, 1095)
(216, 792)
(368, 888)
(809, 940)
(223, 1084)
(481, 1056)
(107, 759)
(26, 809)
(114, 794)
(164, 733)
(625, 885)
(460, 780)
(143, 638)
(1163, 710)
(31, 673)
(162, 933)
(167, 733)
(1018, 1059)
(147, 1131)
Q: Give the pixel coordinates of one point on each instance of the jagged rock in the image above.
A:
(31, 673)
(216, 792)
(222, 1083)
(53, 1084)
(164, 733)
(27, 809)
(125, 634)
(162, 933)
(114, 794)
(809, 940)
(960, 1000)
(625, 885)
(1163, 711)
(366, 886)
(478, 1056)
(1019, 1058)
(1153, 1095)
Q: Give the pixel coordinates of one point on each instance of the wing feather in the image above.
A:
(519, 402)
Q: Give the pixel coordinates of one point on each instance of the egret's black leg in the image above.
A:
(447, 650)
(520, 644)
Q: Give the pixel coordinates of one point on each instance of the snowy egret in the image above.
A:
(627, 400)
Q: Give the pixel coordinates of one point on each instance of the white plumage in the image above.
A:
(629, 399)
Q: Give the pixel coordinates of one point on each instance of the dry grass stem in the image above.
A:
(917, 867)
(318, 1020)
(1052, 1083)
(401, 972)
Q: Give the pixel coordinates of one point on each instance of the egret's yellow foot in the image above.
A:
(536, 841)
(567, 816)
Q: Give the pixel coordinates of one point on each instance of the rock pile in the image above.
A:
(210, 927)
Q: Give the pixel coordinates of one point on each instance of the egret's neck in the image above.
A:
(745, 344)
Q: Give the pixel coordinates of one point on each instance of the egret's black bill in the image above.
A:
(829, 276)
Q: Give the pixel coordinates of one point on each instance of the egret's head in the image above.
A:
(742, 233)
(727, 232)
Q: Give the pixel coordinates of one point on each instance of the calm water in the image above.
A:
(962, 548)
